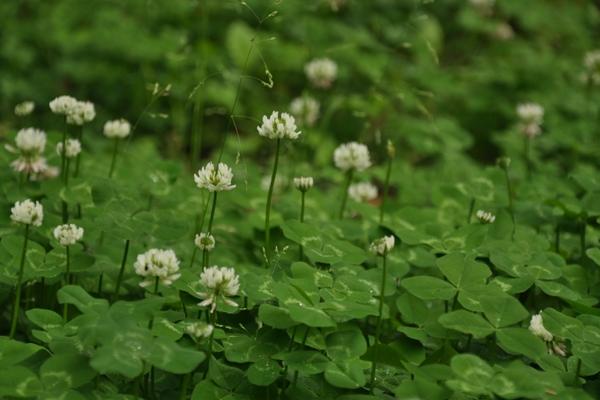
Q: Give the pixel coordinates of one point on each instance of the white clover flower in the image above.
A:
(536, 326)
(485, 217)
(383, 245)
(321, 72)
(531, 116)
(24, 108)
(117, 129)
(278, 126)
(29, 142)
(214, 179)
(305, 109)
(219, 282)
(27, 212)
(36, 167)
(591, 61)
(81, 112)
(68, 234)
(205, 241)
(73, 148)
(199, 330)
(157, 263)
(303, 183)
(504, 31)
(352, 155)
(62, 104)
(363, 192)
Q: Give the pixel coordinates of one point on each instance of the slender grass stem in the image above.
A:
(67, 282)
(349, 176)
(15, 315)
(379, 318)
(113, 162)
(268, 206)
(121, 271)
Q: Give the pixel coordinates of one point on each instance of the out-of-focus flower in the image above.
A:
(29, 145)
(199, 330)
(485, 217)
(321, 72)
(303, 183)
(485, 7)
(504, 31)
(531, 116)
(157, 263)
(73, 148)
(383, 245)
(305, 109)
(363, 192)
(352, 155)
(219, 283)
(117, 129)
(278, 126)
(214, 179)
(27, 212)
(68, 234)
(205, 241)
(24, 108)
(591, 62)
(62, 104)
(81, 112)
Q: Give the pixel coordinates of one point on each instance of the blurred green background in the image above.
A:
(434, 76)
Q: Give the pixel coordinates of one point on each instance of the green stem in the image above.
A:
(471, 208)
(63, 155)
(184, 386)
(295, 380)
(509, 194)
(213, 322)
(527, 155)
(303, 195)
(113, 162)
(379, 317)
(268, 207)
(15, 315)
(386, 187)
(67, 282)
(582, 239)
(577, 371)
(100, 279)
(121, 271)
(78, 159)
(349, 176)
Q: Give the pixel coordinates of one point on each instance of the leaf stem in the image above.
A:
(269, 200)
(67, 281)
(379, 318)
(15, 315)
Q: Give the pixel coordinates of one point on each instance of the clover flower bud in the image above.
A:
(81, 112)
(391, 149)
(321, 72)
(352, 155)
(157, 263)
(62, 104)
(214, 179)
(278, 126)
(73, 147)
(503, 162)
(68, 234)
(305, 109)
(303, 183)
(117, 129)
(485, 217)
(205, 241)
(27, 212)
(363, 192)
(383, 245)
(536, 326)
(25, 108)
(199, 330)
(219, 283)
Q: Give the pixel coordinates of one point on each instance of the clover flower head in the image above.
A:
(62, 104)
(157, 263)
(29, 142)
(383, 245)
(363, 192)
(81, 112)
(303, 183)
(25, 108)
(219, 282)
(205, 241)
(591, 61)
(73, 147)
(503, 31)
(536, 326)
(278, 126)
(214, 179)
(352, 155)
(199, 330)
(531, 116)
(27, 212)
(305, 109)
(321, 72)
(117, 129)
(485, 217)
(68, 234)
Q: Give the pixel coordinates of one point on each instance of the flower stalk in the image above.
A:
(269, 200)
(15, 315)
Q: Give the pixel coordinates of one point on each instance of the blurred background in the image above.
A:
(437, 77)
